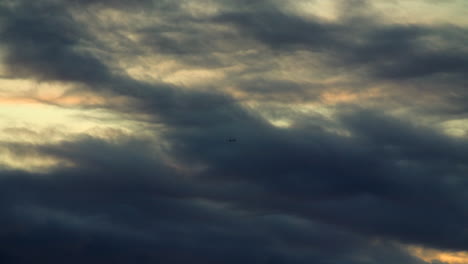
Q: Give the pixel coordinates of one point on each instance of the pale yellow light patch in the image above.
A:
(395, 11)
(150, 68)
(325, 10)
(41, 118)
(201, 8)
(64, 101)
(25, 91)
(429, 255)
(31, 163)
(17, 86)
(315, 108)
(455, 128)
(194, 77)
(281, 123)
(424, 12)
(37, 114)
(39, 124)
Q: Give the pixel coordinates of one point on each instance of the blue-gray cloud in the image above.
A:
(298, 195)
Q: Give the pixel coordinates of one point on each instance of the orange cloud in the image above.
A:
(429, 255)
(334, 97)
(72, 100)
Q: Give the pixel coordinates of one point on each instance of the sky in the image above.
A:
(350, 119)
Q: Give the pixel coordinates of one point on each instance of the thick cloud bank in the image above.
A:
(361, 169)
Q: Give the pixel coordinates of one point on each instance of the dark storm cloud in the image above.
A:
(387, 50)
(121, 197)
(280, 30)
(117, 207)
(176, 107)
(194, 44)
(42, 40)
(389, 179)
(298, 195)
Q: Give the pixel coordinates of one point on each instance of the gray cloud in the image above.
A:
(389, 179)
(388, 51)
(298, 195)
(110, 209)
(43, 41)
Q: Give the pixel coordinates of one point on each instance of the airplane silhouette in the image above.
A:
(231, 139)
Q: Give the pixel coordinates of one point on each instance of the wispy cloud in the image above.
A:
(117, 113)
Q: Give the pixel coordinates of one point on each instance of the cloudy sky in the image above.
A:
(351, 121)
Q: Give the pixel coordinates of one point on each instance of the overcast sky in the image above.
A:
(350, 119)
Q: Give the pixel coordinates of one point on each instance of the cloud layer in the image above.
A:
(344, 121)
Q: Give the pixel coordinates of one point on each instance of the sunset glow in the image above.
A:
(215, 131)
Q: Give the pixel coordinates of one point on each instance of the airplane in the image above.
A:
(231, 139)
